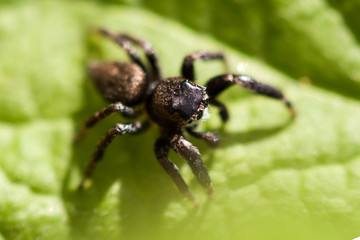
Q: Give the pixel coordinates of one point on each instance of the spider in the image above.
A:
(175, 104)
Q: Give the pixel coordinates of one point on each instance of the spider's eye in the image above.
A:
(187, 100)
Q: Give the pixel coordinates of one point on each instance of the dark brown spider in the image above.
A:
(174, 104)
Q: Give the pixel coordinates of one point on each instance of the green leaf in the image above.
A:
(273, 178)
(313, 39)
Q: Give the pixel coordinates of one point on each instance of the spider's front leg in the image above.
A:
(210, 138)
(119, 129)
(218, 84)
(192, 155)
(162, 147)
(98, 116)
(187, 69)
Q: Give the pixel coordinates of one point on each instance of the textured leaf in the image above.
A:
(273, 178)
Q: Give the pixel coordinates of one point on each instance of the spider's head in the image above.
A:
(179, 102)
(189, 102)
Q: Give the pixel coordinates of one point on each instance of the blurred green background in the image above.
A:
(273, 178)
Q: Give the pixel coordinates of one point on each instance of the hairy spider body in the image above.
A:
(175, 104)
(119, 81)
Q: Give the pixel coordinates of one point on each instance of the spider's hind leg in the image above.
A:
(119, 129)
(149, 52)
(125, 41)
(98, 116)
(126, 45)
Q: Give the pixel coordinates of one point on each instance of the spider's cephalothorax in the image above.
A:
(175, 104)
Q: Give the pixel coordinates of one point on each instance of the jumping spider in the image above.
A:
(175, 104)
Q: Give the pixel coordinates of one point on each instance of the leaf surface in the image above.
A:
(273, 178)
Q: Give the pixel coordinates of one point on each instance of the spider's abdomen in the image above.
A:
(119, 81)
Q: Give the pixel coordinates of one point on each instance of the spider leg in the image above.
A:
(224, 114)
(191, 154)
(98, 116)
(119, 129)
(126, 45)
(210, 138)
(187, 68)
(218, 84)
(149, 52)
(162, 146)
